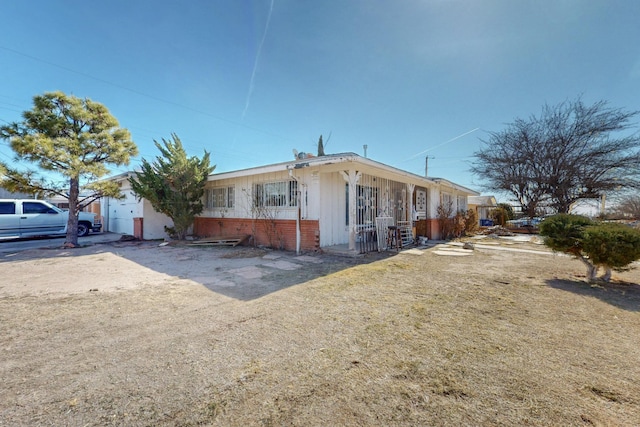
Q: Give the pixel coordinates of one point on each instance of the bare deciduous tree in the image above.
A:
(572, 151)
(628, 207)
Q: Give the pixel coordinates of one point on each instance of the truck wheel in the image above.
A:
(83, 229)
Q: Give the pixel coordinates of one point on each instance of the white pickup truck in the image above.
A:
(28, 218)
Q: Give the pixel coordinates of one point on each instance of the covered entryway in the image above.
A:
(380, 212)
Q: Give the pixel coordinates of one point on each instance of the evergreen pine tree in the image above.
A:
(69, 137)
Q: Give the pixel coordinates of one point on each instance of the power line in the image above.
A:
(201, 144)
(137, 92)
(440, 145)
(153, 135)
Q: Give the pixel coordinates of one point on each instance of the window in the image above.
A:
(221, 197)
(276, 194)
(7, 208)
(366, 204)
(445, 199)
(421, 203)
(36, 208)
(462, 203)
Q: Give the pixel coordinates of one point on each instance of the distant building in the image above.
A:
(482, 206)
(6, 194)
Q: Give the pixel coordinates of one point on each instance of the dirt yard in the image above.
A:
(133, 334)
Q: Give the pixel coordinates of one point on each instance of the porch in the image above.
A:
(381, 212)
(387, 235)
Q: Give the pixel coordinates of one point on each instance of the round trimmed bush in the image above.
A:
(612, 245)
(565, 233)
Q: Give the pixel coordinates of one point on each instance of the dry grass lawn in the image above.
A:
(493, 339)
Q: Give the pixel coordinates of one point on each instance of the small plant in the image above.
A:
(500, 216)
(446, 222)
(470, 222)
(458, 225)
(267, 218)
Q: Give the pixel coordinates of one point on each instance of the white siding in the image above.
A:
(381, 191)
(243, 203)
(462, 203)
(153, 223)
(333, 210)
(119, 214)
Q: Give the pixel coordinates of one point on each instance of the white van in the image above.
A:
(28, 218)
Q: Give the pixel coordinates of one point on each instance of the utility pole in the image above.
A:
(426, 166)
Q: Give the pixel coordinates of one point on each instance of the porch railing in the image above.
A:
(367, 237)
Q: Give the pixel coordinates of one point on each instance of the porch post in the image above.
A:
(352, 177)
(410, 188)
(432, 212)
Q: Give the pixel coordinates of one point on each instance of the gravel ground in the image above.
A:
(136, 334)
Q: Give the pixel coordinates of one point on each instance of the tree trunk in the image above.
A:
(592, 270)
(181, 233)
(607, 274)
(563, 207)
(72, 223)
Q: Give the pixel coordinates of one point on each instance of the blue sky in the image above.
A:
(251, 80)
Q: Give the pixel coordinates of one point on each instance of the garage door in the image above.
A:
(121, 214)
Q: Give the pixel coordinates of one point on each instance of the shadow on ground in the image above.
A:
(243, 273)
(619, 294)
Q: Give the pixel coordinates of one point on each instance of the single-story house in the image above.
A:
(307, 204)
(130, 215)
(311, 203)
(483, 205)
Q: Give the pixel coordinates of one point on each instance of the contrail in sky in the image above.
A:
(444, 143)
(255, 64)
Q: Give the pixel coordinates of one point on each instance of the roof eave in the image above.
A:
(333, 159)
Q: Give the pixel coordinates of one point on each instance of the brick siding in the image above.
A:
(278, 234)
(429, 228)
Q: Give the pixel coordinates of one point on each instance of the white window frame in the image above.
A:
(462, 203)
(221, 197)
(276, 194)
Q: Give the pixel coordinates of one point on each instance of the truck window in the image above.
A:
(7, 208)
(35, 208)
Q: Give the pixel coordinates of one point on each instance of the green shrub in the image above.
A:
(612, 245)
(607, 245)
(565, 233)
